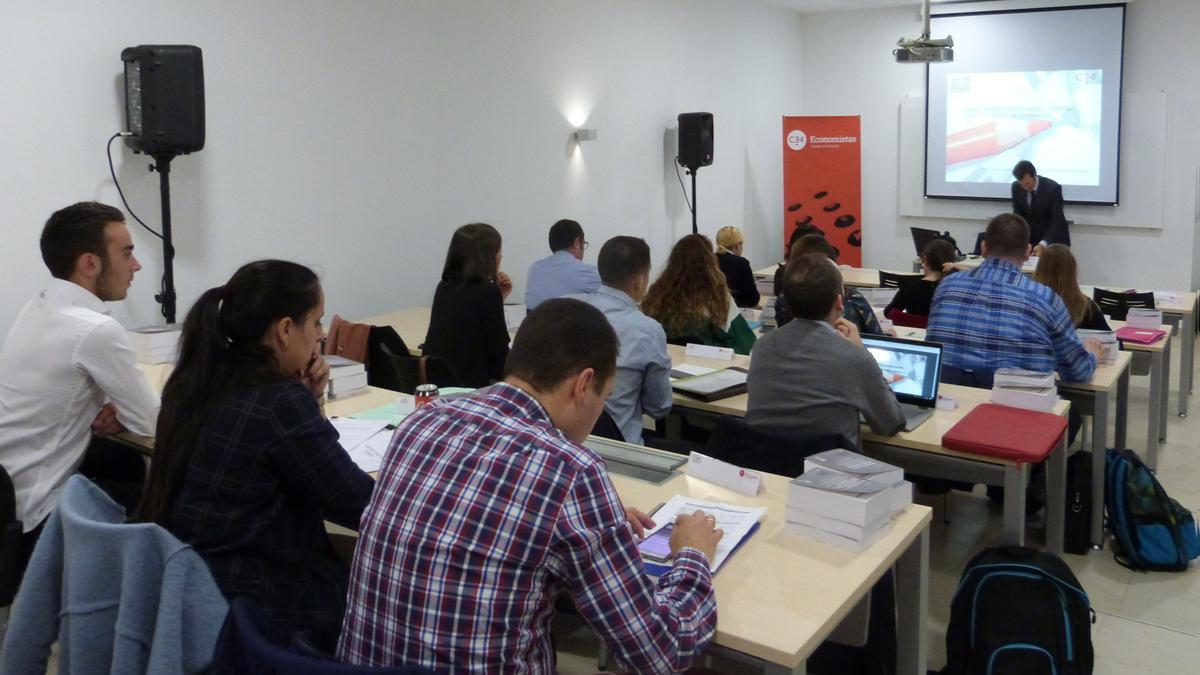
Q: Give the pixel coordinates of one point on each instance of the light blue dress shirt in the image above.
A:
(558, 276)
(643, 382)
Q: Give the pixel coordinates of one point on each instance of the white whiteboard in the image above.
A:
(1142, 181)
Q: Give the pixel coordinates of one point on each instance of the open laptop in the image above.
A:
(912, 369)
(921, 238)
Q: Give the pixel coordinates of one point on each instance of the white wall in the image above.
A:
(849, 69)
(356, 135)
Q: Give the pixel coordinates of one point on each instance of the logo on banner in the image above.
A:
(796, 139)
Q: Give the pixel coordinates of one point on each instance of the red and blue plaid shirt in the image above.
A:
(482, 514)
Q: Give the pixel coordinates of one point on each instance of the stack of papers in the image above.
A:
(156, 344)
(845, 499)
(713, 386)
(1143, 317)
(346, 377)
(1107, 340)
(366, 441)
(1020, 388)
(738, 522)
(879, 298)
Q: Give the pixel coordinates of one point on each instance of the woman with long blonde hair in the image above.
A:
(1057, 269)
(691, 299)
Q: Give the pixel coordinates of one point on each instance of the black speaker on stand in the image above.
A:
(164, 118)
(695, 148)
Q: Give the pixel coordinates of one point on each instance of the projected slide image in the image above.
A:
(903, 371)
(1051, 118)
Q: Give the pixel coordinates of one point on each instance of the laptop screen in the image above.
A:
(911, 368)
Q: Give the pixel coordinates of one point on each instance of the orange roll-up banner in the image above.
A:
(822, 181)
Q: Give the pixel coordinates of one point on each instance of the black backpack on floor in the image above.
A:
(1019, 611)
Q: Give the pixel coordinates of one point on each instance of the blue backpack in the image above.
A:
(1153, 531)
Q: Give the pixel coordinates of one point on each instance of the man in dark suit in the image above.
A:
(1039, 201)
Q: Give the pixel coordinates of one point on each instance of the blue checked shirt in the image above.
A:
(482, 515)
(995, 317)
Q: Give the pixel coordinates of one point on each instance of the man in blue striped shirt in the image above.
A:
(994, 317)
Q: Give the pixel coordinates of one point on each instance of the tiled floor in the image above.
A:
(1147, 622)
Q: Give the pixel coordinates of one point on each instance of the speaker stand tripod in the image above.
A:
(691, 171)
(162, 164)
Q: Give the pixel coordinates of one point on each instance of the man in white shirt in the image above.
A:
(563, 273)
(67, 369)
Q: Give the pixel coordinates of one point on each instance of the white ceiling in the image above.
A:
(812, 6)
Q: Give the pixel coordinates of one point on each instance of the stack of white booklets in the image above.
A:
(156, 344)
(1020, 388)
(1107, 339)
(346, 377)
(845, 499)
(1142, 317)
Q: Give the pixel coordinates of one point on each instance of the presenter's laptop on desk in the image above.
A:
(912, 369)
(921, 238)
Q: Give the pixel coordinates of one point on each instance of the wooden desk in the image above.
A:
(783, 621)
(972, 262)
(858, 277)
(373, 397)
(1091, 397)
(921, 451)
(1160, 369)
(1178, 310)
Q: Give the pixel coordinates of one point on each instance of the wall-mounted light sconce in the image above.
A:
(585, 135)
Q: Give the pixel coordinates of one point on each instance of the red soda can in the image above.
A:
(425, 394)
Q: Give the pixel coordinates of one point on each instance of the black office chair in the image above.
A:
(379, 368)
(738, 443)
(1117, 305)
(10, 540)
(978, 250)
(606, 427)
(685, 340)
(894, 280)
(405, 373)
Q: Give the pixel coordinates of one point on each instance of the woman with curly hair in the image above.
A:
(692, 302)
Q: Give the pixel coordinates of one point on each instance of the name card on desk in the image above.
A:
(708, 352)
(724, 474)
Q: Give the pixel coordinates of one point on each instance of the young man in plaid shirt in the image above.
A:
(487, 508)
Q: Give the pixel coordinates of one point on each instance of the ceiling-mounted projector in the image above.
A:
(924, 49)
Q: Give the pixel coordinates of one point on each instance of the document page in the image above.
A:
(736, 521)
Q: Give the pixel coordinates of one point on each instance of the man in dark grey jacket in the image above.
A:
(813, 376)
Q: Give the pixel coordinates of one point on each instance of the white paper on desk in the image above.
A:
(1166, 298)
(724, 474)
(353, 433)
(369, 454)
(736, 521)
(690, 370)
(708, 352)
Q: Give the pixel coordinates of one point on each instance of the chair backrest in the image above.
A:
(1117, 304)
(10, 540)
(978, 250)
(893, 280)
(250, 643)
(738, 443)
(606, 427)
(378, 365)
(404, 373)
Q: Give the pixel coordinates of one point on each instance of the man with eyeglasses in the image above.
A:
(563, 273)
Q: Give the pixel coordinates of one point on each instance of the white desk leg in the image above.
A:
(1119, 440)
(1164, 404)
(1187, 353)
(912, 606)
(1156, 377)
(1014, 504)
(1099, 450)
(1056, 497)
